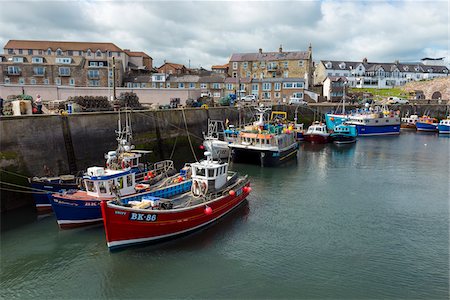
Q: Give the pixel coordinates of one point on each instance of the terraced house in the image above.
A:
(67, 63)
(274, 76)
(365, 74)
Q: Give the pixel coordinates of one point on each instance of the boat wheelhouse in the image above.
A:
(409, 122)
(215, 141)
(444, 126)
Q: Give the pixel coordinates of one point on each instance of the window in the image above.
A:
(92, 64)
(255, 87)
(93, 74)
(292, 85)
(64, 71)
(39, 71)
(63, 60)
(100, 64)
(46, 81)
(49, 51)
(235, 65)
(255, 65)
(263, 64)
(58, 81)
(80, 53)
(109, 53)
(285, 64)
(7, 80)
(267, 86)
(216, 94)
(234, 74)
(168, 85)
(72, 81)
(191, 85)
(88, 52)
(229, 86)
(10, 51)
(245, 65)
(203, 85)
(286, 74)
(33, 81)
(247, 74)
(298, 95)
(37, 60)
(18, 59)
(96, 83)
(216, 86)
(30, 52)
(20, 51)
(70, 52)
(266, 95)
(59, 52)
(98, 53)
(277, 95)
(181, 85)
(13, 70)
(129, 180)
(261, 75)
(277, 86)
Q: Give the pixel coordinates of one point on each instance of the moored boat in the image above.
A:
(215, 141)
(427, 123)
(317, 133)
(409, 122)
(444, 126)
(264, 143)
(375, 121)
(75, 208)
(214, 193)
(344, 134)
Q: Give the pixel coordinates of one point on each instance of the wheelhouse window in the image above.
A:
(90, 186)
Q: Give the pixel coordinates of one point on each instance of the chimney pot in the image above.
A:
(260, 50)
(280, 49)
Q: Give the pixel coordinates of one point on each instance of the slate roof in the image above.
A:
(387, 67)
(269, 56)
(212, 79)
(136, 54)
(64, 46)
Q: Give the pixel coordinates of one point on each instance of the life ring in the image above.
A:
(140, 186)
(195, 188)
(150, 174)
(205, 106)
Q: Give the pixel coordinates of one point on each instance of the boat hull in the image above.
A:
(342, 139)
(429, 127)
(127, 226)
(444, 129)
(265, 158)
(316, 138)
(71, 212)
(42, 200)
(378, 130)
(408, 126)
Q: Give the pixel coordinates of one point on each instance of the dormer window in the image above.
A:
(406, 68)
(49, 51)
(416, 69)
(98, 53)
(342, 65)
(88, 52)
(328, 65)
(430, 70)
(445, 71)
(59, 52)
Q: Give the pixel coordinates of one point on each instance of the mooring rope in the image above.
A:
(188, 135)
(22, 191)
(24, 187)
(13, 173)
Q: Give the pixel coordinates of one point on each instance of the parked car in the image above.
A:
(297, 101)
(397, 100)
(249, 98)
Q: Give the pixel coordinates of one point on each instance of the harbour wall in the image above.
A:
(66, 144)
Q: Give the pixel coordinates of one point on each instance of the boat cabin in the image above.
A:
(104, 183)
(208, 175)
(318, 128)
(410, 120)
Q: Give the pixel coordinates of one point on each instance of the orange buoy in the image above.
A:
(232, 193)
(208, 210)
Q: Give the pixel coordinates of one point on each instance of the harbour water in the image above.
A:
(365, 221)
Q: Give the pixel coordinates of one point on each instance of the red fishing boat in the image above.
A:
(317, 133)
(215, 192)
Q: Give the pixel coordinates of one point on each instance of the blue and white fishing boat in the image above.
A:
(344, 134)
(375, 121)
(444, 126)
(82, 207)
(426, 123)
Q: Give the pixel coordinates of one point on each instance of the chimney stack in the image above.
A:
(280, 49)
(365, 60)
(260, 50)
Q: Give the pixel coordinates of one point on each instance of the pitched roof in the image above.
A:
(387, 67)
(270, 56)
(336, 78)
(212, 79)
(174, 65)
(220, 66)
(241, 80)
(137, 53)
(184, 78)
(63, 45)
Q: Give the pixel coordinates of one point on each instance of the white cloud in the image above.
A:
(208, 33)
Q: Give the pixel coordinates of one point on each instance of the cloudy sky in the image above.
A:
(207, 32)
